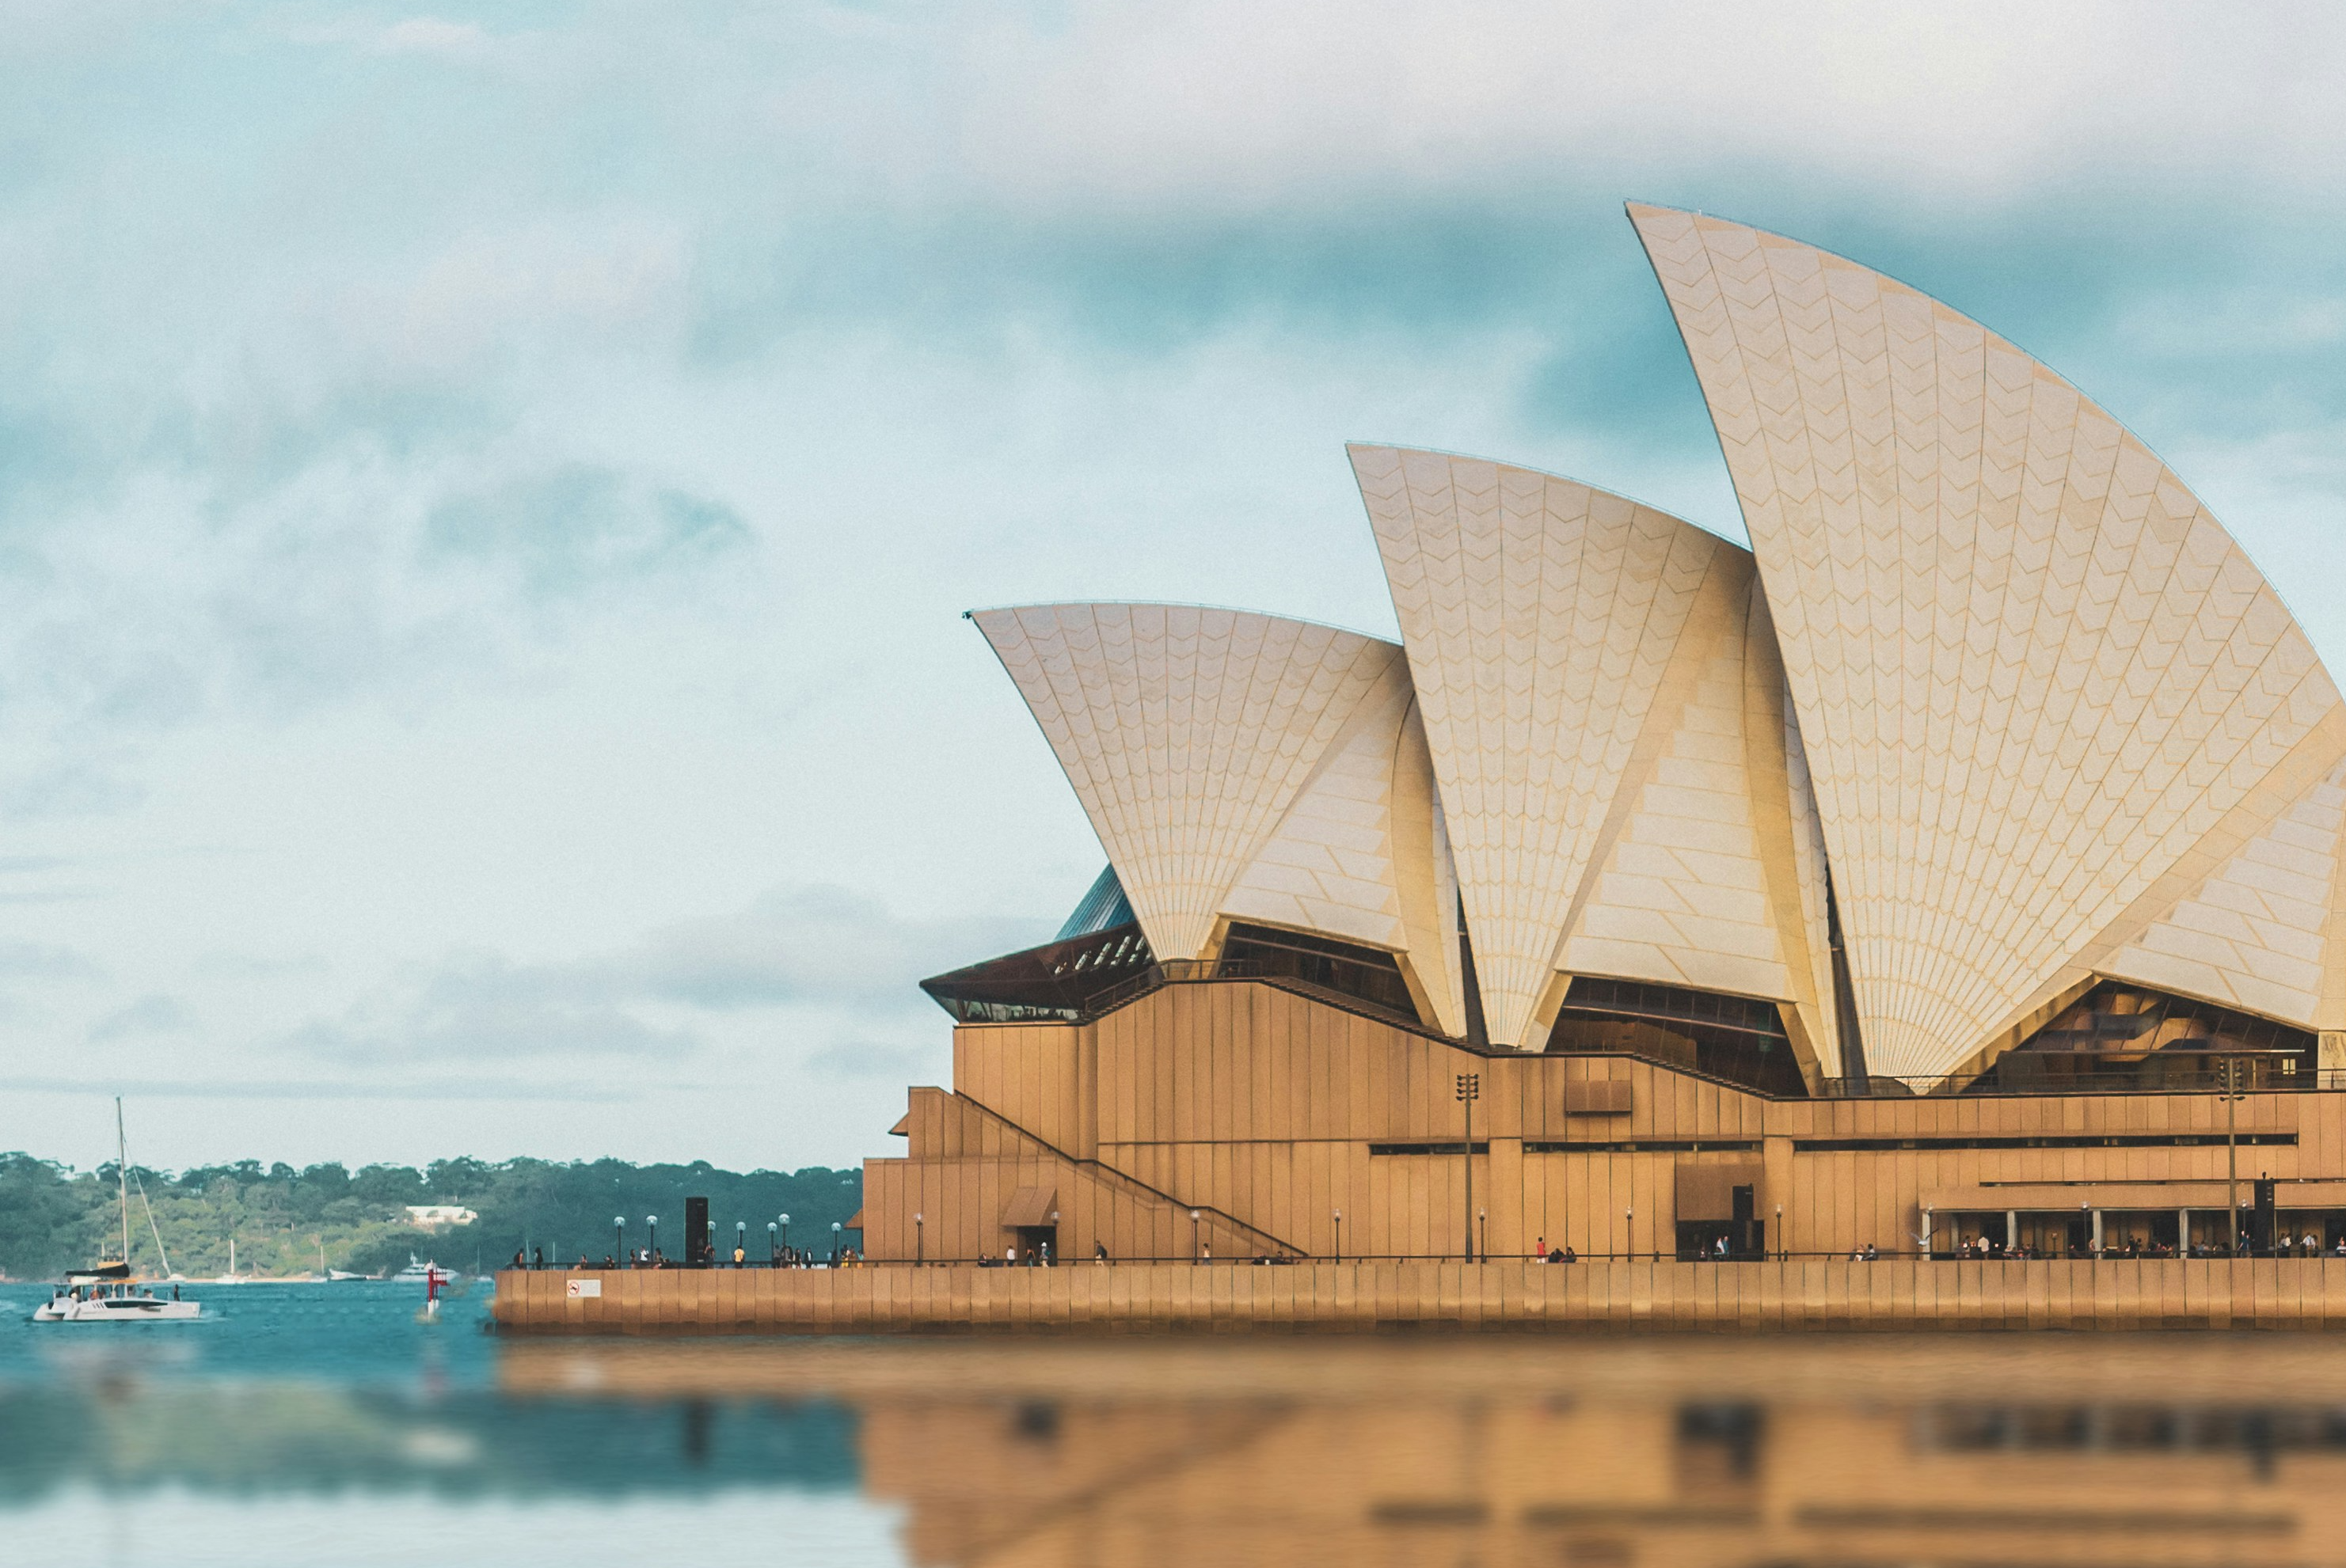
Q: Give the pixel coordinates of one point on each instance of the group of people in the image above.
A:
(2131, 1246)
(1038, 1256)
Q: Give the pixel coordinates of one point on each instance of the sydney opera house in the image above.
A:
(1958, 868)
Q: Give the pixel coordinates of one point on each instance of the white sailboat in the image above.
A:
(104, 1293)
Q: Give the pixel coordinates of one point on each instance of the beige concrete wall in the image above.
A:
(966, 1167)
(1262, 1104)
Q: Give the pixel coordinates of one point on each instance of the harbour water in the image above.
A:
(323, 1423)
(301, 1424)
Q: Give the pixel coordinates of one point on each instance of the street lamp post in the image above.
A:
(619, 1237)
(651, 1237)
(1629, 1233)
(1340, 1236)
(1781, 1249)
(1482, 1220)
(1470, 1089)
(920, 1239)
(773, 1247)
(1051, 1247)
(2228, 1076)
(834, 1244)
(1193, 1236)
(786, 1233)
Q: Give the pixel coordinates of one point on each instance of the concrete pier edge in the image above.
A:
(1508, 1295)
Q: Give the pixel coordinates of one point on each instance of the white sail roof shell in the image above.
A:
(1606, 718)
(2045, 696)
(1242, 766)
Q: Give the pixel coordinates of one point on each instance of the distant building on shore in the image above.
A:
(438, 1215)
(1959, 867)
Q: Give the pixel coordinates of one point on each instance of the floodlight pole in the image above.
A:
(1470, 1089)
(2228, 1074)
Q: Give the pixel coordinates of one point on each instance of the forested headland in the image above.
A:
(282, 1219)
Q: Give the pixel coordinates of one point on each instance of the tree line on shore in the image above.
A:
(286, 1221)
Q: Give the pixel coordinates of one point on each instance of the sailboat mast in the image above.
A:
(122, 1176)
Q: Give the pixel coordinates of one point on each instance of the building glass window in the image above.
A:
(1734, 1038)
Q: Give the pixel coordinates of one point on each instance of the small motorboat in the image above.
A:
(336, 1276)
(105, 1295)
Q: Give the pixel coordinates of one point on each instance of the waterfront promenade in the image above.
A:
(1509, 1295)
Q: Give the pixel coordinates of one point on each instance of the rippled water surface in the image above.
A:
(324, 1424)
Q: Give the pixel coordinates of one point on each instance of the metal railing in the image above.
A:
(1943, 1255)
(2151, 1076)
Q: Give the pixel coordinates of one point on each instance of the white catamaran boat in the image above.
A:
(104, 1293)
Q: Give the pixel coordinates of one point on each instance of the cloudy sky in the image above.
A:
(487, 494)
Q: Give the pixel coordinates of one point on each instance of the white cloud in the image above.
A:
(481, 1009)
(429, 35)
(820, 953)
(154, 1013)
(1223, 100)
(368, 417)
(817, 944)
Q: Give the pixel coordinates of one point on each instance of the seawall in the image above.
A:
(1511, 1295)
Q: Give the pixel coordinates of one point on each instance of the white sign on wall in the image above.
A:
(583, 1289)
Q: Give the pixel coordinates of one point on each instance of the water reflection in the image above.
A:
(299, 1425)
(1990, 1450)
(249, 1439)
(306, 1429)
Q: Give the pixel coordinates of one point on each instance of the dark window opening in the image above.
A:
(1852, 1041)
(1364, 973)
(2118, 1037)
(1730, 1037)
(1644, 1146)
(1051, 983)
(1478, 1030)
(2040, 1141)
(1741, 1236)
